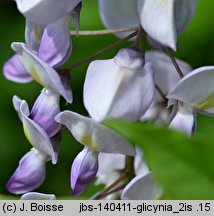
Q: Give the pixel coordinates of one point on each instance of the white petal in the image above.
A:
(94, 135)
(45, 11)
(117, 14)
(196, 89)
(141, 188)
(120, 88)
(158, 19)
(37, 196)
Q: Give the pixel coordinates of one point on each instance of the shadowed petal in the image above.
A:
(37, 196)
(120, 88)
(45, 11)
(33, 34)
(119, 14)
(41, 71)
(83, 171)
(94, 135)
(165, 73)
(141, 188)
(13, 70)
(30, 173)
(184, 120)
(184, 12)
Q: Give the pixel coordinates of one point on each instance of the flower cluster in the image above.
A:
(134, 85)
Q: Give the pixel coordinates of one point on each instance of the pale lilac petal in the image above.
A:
(184, 120)
(55, 47)
(119, 14)
(34, 133)
(17, 103)
(142, 188)
(120, 88)
(166, 76)
(94, 135)
(84, 170)
(37, 196)
(196, 89)
(13, 70)
(41, 71)
(158, 20)
(109, 163)
(30, 173)
(158, 112)
(44, 111)
(45, 11)
(184, 12)
(33, 35)
(140, 166)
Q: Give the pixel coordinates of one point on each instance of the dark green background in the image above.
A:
(196, 46)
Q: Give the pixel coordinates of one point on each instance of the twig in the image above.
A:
(102, 51)
(103, 32)
(174, 62)
(111, 187)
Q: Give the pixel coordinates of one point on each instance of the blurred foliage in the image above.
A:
(195, 46)
(182, 165)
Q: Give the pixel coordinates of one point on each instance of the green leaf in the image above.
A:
(182, 165)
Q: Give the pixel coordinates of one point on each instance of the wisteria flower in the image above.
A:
(122, 87)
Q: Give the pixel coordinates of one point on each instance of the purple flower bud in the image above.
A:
(14, 71)
(30, 173)
(44, 111)
(83, 171)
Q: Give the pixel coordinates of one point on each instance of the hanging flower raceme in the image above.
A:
(122, 87)
(96, 138)
(194, 94)
(41, 131)
(166, 76)
(51, 43)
